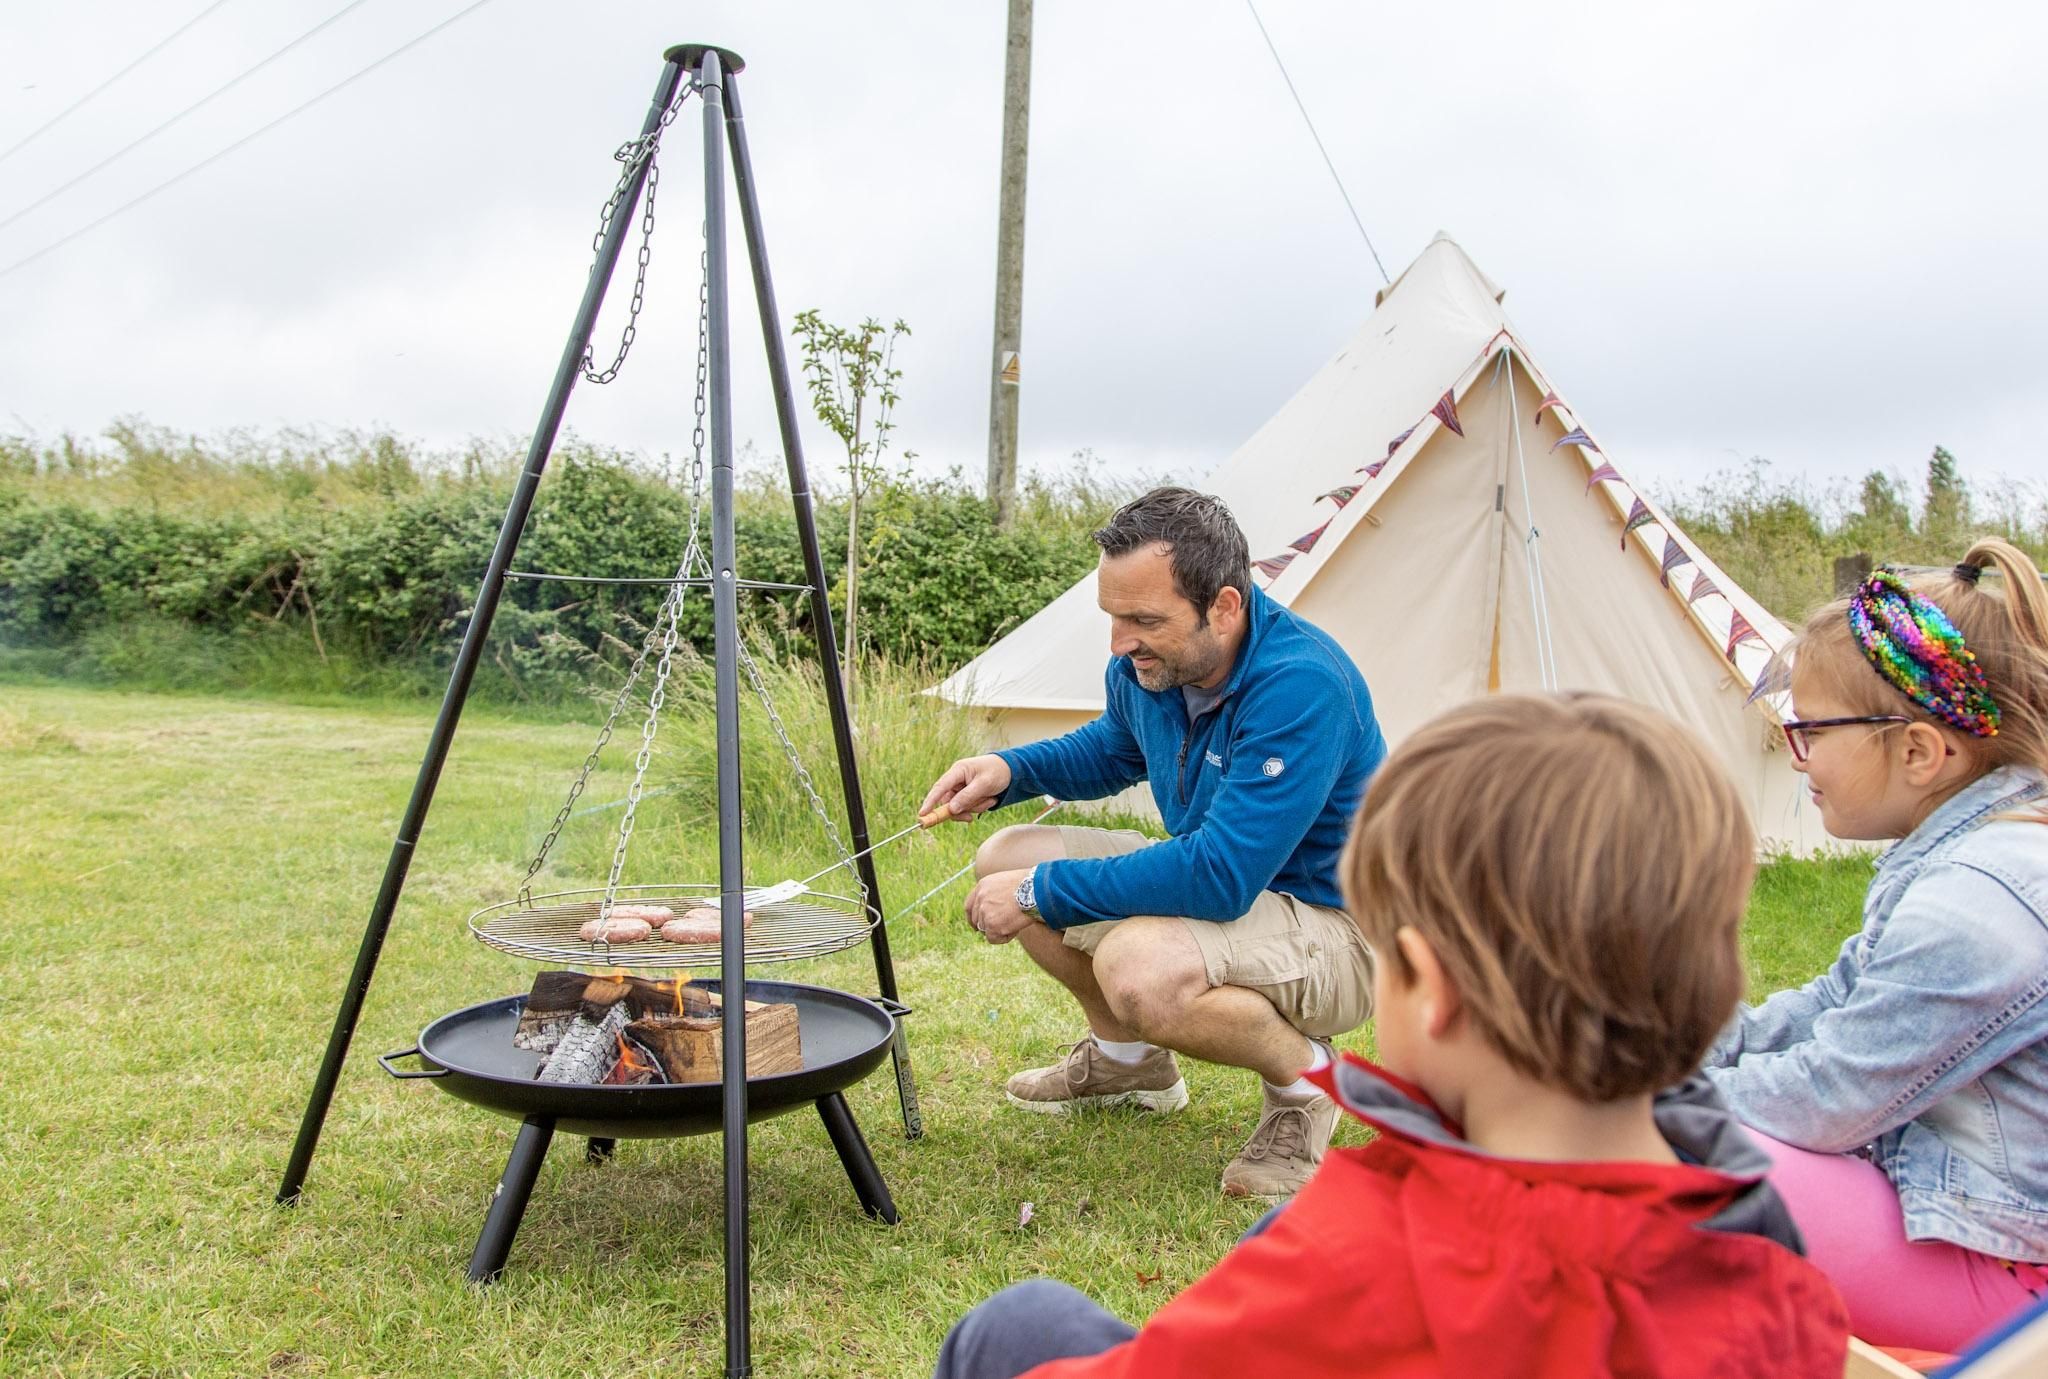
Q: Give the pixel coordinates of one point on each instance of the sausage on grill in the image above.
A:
(701, 925)
(655, 915)
(614, 930)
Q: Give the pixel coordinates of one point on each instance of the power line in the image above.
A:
(162, 44)
(1319, 141)
(246, 138)
(218, 91)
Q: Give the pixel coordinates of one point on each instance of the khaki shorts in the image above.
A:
(1308, 960)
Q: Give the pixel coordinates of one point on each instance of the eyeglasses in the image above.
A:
(1797, 729)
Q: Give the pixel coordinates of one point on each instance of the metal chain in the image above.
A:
(703, 393)
(644, 149)
(604, 737)
(746, 660)
(655, 698)
(694, 562)
(796, 762)
(667, 623)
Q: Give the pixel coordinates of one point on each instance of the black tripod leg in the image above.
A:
(899, 1055)
(853, 1154)
(821, 605)
(508, 1203)
(598, 1151)
(566, 373)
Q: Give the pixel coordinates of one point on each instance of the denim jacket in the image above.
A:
(1925, 1046)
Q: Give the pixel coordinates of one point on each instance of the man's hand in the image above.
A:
(970, 786)
(992, 906)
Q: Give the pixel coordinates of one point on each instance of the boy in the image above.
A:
(1553, 886)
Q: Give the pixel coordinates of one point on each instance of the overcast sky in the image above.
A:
(1810, 232)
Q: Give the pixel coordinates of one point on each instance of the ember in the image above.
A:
(635, 1066)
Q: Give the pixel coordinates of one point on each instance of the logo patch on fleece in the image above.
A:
(1212, 758)
(1274, 766)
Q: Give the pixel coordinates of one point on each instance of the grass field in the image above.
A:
(183, 882)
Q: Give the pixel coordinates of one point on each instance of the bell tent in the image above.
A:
(1431, 500)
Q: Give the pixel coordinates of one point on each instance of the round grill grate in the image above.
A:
(544, 928)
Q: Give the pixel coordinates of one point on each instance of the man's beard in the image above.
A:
(1195, 663)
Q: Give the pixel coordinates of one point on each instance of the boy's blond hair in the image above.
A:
(1580, 865)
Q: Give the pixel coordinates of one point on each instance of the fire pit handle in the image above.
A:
(893, 1006)
(384, 1062)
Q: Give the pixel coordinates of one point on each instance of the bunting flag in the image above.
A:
(1674, 556)
(1272, 565)
(1446, 411)
(1306, 542)
(1638, 515)
(1372, 471)
(1601, 475)
(1340, 495)
(1776, 677)
(1550, 400)
(1701, 587)
(1576, 436)
(1739, 631)
(1395, 443)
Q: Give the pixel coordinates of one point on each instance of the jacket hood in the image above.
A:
(1720, 1183)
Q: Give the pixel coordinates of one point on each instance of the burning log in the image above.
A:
(549, 1009)
(556, 997)
(589, 1044)
(582, 1023)
(691, 1048)
(646, 997)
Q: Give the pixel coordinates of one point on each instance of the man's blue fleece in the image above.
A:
(1257, 793)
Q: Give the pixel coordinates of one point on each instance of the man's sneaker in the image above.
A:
(1089, 1077)
(1282, 1154)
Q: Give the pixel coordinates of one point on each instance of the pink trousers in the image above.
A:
(1929, 1295)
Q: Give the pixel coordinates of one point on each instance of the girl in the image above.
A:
(1903, 1094)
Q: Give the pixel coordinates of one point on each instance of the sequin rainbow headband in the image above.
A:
(1915, 647)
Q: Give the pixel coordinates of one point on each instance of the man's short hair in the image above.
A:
(1208, 549)
(1581, 867)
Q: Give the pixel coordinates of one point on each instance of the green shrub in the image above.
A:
(355, 553)
(941, 581)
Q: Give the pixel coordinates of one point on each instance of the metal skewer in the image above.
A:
(932, 818)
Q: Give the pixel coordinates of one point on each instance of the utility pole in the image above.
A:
(1004, 384)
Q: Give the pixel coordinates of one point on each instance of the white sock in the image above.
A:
(1301, 1089)
(1132, 1052)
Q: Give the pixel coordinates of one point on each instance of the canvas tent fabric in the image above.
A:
(1431, 499)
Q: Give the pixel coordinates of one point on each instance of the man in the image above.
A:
(1228, 941)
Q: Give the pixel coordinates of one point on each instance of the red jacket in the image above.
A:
(1419, 1255)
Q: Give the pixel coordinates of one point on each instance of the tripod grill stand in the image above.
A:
(714, 71)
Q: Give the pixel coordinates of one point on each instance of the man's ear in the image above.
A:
(1228, 607)
(1922, 750)
(1436, 998)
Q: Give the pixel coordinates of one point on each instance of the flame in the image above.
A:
(675, 991)
(629, 1065)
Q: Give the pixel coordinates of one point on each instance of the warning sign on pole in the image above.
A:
(1009, 373)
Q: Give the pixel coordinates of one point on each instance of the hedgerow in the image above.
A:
(376, 554)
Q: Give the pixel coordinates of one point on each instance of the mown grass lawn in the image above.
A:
(183, 884)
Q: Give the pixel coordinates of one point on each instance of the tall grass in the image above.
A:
(1778, 535)
(254, 473)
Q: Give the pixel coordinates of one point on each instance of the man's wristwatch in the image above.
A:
(1027, 893)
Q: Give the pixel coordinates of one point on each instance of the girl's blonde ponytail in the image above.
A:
(2026, 601)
